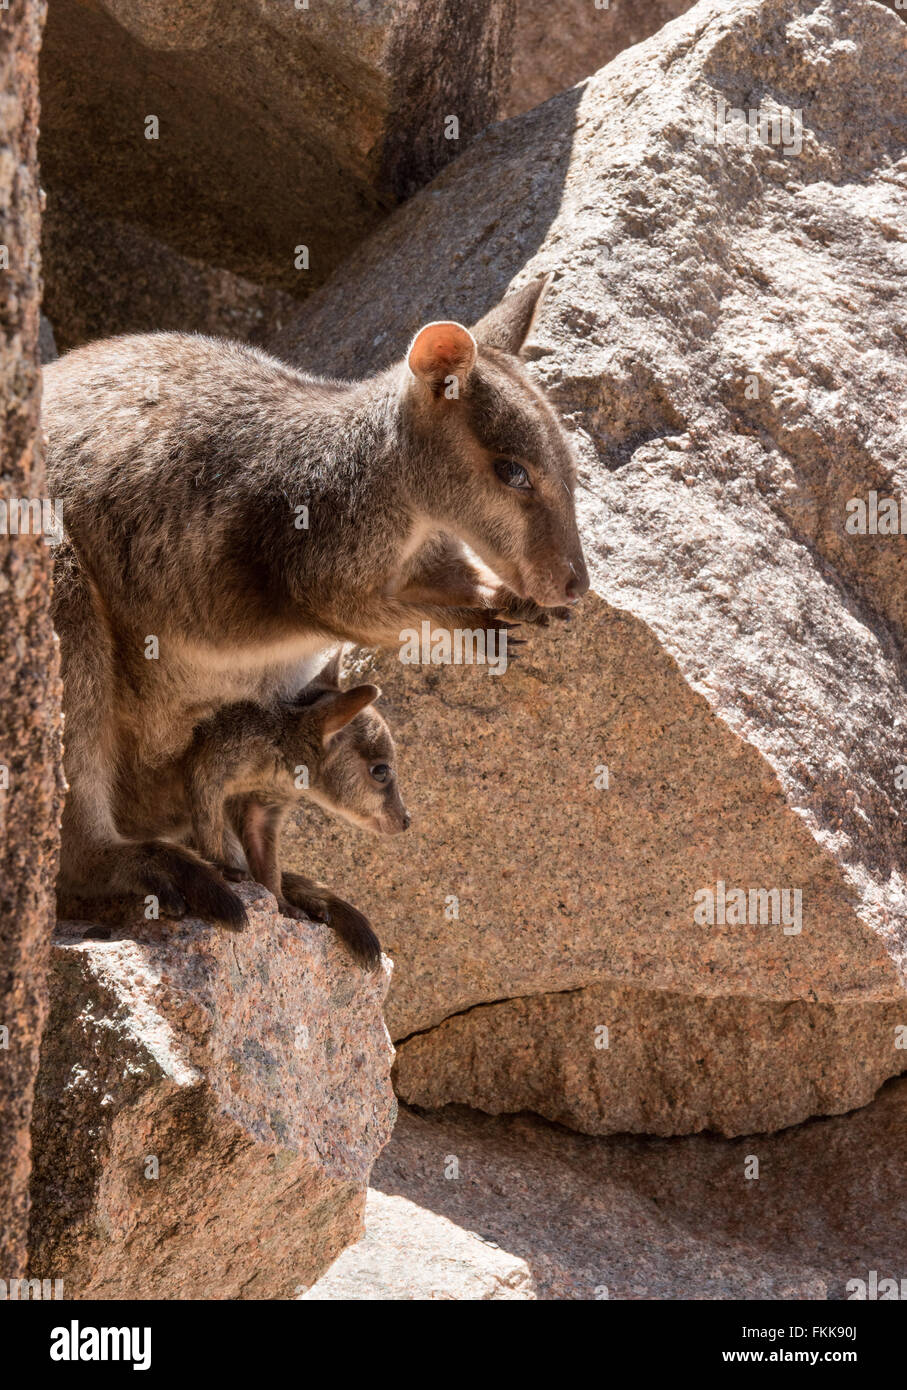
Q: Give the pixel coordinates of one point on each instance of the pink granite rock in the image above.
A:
(556, 45)
(285, 133)
(798, 1215)
(30, 776)
(408, 1253)
(208, 1109)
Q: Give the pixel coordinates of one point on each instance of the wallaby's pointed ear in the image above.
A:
(508, 325)
(337, 708)
(329, 675)
(441, 352)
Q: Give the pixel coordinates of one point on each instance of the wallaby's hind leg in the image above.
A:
(95, 861)
(319, 903)
(180, 882)
(176, 878)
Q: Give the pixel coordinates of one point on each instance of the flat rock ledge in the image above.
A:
(209, 1106)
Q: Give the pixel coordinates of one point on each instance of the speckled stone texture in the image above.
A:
(724, 340)
(250, 1071)
(559, 42)
(280, 126)
(673, 1064)
(645, 1218)
(411, 1254)
(30, 778)
(106, 277)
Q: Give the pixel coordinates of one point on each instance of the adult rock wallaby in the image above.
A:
(227, 517)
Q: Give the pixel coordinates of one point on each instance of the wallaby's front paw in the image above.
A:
(526, 610)
(491, 619)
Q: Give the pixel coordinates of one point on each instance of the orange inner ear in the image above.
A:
(440, 350)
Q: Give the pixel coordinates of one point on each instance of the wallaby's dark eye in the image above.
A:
(380, 772)
(513, 474)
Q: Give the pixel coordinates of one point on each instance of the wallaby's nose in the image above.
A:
(407, 820)
(578, 582)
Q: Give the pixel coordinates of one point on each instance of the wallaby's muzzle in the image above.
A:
(578, 581)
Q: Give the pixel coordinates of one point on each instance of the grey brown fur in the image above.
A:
(182, 463)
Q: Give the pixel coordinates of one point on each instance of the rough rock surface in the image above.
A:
(672, 1064)
(629, 1217)
(556, 45)
(279, 126)
(106, 277)
(724, 338)
(252, 1068)
(412, 1254)
(30, 779)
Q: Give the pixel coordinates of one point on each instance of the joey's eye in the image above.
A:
(513, 474)
(381, 772)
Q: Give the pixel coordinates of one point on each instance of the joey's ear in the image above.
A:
(440, 351)
(337, 708)
(508, 324)
(329, 675)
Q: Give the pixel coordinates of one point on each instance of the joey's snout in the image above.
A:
(395, 819)
(390, 816)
